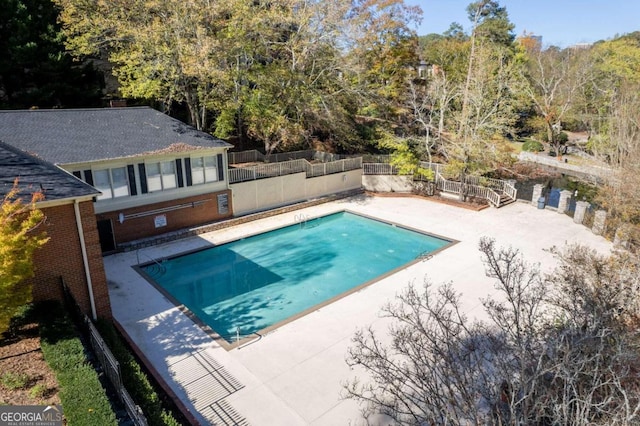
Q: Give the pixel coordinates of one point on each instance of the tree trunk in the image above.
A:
(463, 127)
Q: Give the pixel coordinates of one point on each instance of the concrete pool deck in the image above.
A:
(294, 374)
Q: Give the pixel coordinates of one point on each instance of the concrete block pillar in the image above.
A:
(563, 203)
(537, 193)
(581, 209)
(599, 221)
(622, 237)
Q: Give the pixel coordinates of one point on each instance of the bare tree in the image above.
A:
(559, 349)
(555, 79)
(429, 102)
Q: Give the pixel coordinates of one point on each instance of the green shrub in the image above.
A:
(38, 391)
(561, 137)
(135, 379)
(14, 381)
(83, 398)
(532, 146)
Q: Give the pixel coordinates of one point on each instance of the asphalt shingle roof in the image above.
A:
(63, 136)
(36, 175)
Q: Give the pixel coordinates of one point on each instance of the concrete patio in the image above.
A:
(294, 375)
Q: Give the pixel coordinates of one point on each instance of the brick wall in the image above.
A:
(62, 257)
(142, 227)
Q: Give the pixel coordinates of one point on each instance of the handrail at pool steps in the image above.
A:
(305, 221)
(161, 269)
(301, 218)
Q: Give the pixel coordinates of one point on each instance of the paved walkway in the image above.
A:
(294, 375)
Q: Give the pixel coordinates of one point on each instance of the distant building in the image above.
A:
(579, 46)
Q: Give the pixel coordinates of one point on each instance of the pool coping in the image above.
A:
(247, 340)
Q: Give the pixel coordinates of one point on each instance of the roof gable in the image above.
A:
(65, 136)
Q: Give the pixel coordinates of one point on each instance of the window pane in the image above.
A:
(119, 180)
(197, 176)
(197, 171)
(153, 177)
(169, 175)
(101, 183)
(210, 169)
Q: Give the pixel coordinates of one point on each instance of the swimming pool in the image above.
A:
(259, 282)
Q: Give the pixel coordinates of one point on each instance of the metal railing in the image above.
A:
(111, 368)
(469, 189)
(243, 174)
(480, 187)
(105, 357)
(254, 156)
(379, 169)
(339, 166)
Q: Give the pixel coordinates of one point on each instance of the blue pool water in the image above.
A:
(254, 283)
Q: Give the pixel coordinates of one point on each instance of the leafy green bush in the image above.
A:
(14, 381)
(532, 146)
(83, 398)
(135, 379)
(561, 137)
(38, 391)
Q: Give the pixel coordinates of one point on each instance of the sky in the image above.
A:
(561, 23)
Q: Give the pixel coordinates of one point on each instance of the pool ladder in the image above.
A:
(302, 219)
(158, 268)
(426, 255)
(305, 221)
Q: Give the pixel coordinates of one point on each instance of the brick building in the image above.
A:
(109, 176)
(72, 253)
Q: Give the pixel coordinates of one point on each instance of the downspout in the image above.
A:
(85, 259)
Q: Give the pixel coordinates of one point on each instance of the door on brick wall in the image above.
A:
(105, 231)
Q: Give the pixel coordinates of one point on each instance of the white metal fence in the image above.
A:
(473, 186)
(379, 169)
(338, 166)
(243, 174)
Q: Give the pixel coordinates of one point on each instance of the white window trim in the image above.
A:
(203, 169)
(111, 194)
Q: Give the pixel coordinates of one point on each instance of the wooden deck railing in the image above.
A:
(253, 156)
